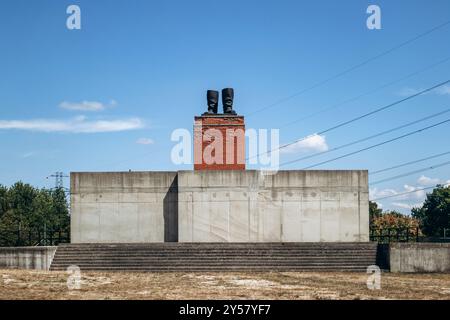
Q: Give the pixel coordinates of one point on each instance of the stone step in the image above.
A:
(206, 252)
(209, 246)
(138, 249)
(237, 252)
(212, 257)
(215, 246)
(216, 256)
(211, 262)
(215, 267)
(234, 268)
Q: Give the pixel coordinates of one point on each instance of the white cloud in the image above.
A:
(28, 155)
(82, 106)
(444, 90)
(426, 181)
(401, 205)
(406, 205)
(418, 194)
(312, 143)
(404, 92)
(375, 193)
(145, 141)
(408, 91)
(76, 125)
(413, 197)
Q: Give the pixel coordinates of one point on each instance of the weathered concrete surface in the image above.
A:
(419, 257)
(123, 207)
(289, 206)
(220, 206)
(38, 258)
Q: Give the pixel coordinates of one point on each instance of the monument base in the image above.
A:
(220, 206)
(227, 132)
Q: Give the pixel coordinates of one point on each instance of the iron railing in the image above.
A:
(388, 235)
(34, 238)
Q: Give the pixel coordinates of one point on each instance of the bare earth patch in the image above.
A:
(30, 284)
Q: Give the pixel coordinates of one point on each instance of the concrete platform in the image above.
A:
(220, 206)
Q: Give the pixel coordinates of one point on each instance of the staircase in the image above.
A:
(186, 257)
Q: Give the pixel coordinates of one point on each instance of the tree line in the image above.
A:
(31, 216)
(428, 220)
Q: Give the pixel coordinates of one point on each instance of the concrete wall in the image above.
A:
(219, 206)
(123, 207)
(290, 206)
(419, 257)
(38, 258)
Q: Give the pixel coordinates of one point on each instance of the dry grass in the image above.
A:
(30, 284)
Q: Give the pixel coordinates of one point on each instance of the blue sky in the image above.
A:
(107, 97)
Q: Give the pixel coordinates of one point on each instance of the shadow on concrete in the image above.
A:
(170, 208)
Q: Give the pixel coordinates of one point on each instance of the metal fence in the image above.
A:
(21, 238)
(388, 235)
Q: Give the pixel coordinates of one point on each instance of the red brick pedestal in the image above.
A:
(219, 142)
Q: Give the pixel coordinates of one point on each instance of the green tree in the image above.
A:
(3, 200)
(28, 214)
(20, 198)
(42, 215)
(374, 212)
(60, 213)
(8, 230)
(395, 220)
(434, 215)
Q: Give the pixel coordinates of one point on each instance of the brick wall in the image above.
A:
(219, 142)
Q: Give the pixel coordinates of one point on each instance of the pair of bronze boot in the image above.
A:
(227, 101)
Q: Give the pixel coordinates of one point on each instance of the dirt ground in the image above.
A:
(30, 284)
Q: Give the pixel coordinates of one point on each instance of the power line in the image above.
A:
(403, 193)
(378, 144)
(334, 106)
(412, 172)
(357, 118)
(357, 66)
(409, 163)
(367, 138)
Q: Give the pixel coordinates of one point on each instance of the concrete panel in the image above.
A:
(310, 221)
(201, 228)
(419, 257)
(329, 221)
(291, 220)
(349, 227)
(287, 206)
(114, 207)
(219, 219)
(253, 214)
(185, 221)
(270, 214)
(37, 258)
(239, 221)
(364, 232)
